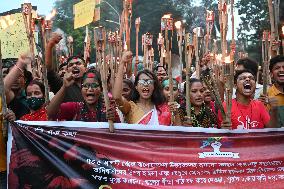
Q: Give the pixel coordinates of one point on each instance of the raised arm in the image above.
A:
(117, 89)
(54, 105)
(14, 74)
(48, 52)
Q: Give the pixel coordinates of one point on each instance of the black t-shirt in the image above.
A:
(73, 93)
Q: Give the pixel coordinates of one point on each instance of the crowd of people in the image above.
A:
(76, 94)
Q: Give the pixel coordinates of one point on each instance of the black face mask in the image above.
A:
(35, 103)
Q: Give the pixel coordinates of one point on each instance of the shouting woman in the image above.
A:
(92, 109)
(149, 105)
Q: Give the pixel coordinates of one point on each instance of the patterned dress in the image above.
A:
(205, 118)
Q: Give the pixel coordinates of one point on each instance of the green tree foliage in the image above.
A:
(150, 12)
(254, 19)
(65, 21)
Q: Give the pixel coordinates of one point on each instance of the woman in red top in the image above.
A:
(92, 109)
(35, 92)
(248, 113)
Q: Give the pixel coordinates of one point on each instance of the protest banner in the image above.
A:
(85, 12)
(87, 155)
(13, 34)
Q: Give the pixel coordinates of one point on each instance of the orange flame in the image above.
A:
(51, 15)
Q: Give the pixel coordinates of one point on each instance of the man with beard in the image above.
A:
(75, 65)
(276, 92)
(248, 113)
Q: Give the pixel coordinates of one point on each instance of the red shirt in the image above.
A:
(38, 115)
(251, 116)
(78, 111)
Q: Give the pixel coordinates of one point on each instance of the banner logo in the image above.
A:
(216, 144)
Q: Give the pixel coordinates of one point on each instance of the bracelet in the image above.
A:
(21, 70)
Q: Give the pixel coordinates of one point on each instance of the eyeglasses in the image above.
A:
(90, 85)
(146, 82)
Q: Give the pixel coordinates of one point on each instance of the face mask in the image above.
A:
(35, 103)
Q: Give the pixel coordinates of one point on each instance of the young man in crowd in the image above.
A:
(75, 65)
(276, 91)
(248, 113)
(249, 64)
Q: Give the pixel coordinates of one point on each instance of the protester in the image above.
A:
(249, 64)
(248, 113)
(161, 72)
(15, 82)
(149, 105)
(208, 99)
(75, 65)
(127, 89)
(179, 99)
(91, 109)
(35, 93)
(201, 115)
(166, 88)
(276, 92)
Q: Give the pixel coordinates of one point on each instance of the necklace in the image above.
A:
(247, 121)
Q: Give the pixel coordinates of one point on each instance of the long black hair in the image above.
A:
(157, 97)
(130, 84)
(191, 81)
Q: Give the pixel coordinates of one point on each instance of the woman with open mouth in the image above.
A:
(201, 114)
(92, 109)
(148, 105)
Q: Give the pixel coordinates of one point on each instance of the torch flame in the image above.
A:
(228, 59)
(219, 58)
(51, 15)
(178, 24)
(282, 30)
(167, 16)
